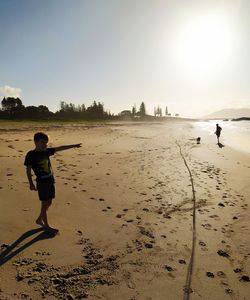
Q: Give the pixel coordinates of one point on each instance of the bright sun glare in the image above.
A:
(204, 46)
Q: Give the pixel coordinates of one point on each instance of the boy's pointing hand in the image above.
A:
(78, 145)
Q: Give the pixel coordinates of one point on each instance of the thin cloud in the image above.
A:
(8, 91)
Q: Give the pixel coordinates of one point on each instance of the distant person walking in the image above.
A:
(217, 132)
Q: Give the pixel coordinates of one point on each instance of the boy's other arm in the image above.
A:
(66, 147)
(28, 172)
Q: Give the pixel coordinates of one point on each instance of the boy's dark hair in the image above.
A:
(40, 136)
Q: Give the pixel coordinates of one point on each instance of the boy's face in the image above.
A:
(41, 144)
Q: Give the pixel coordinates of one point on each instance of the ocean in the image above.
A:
(235, 134)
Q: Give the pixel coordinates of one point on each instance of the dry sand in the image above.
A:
(124, 207)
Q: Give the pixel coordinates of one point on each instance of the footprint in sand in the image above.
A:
(210, 274)
(223, 253)
(119, 216)
(129, 221)
(229, 291)
(182, 261)
(201, 243)
(245, 278)
(168, 268)
(207, 226)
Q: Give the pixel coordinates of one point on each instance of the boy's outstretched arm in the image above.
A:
(65, 147)
(28, 172)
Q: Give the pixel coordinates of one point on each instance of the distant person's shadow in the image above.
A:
(220, 145)
(7, 254)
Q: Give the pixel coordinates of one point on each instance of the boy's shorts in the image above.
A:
(46, 189)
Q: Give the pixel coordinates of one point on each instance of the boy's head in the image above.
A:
(41, 139)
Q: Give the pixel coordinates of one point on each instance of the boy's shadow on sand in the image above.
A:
(220, 145)
(7, 254)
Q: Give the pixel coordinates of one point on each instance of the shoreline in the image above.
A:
(233, 136)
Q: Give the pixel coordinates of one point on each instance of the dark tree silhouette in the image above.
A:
(134, 110)
(31, 112)
(13, 107)
(34, 112)
(142, 110)
(94, 112)
(158, 111)
(166, 111)
(43, 110)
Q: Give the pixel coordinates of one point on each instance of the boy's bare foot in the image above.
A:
(39, 222)
(51, 229)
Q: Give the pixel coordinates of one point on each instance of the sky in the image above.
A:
(191, 56)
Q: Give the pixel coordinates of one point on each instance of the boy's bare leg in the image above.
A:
(44, 208)
(43, 218)
(43, 214)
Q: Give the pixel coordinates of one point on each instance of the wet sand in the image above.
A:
(124, 207)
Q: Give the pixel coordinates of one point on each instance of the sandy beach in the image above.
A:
(125, 210)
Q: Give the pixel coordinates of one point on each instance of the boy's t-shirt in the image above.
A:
(40, 162)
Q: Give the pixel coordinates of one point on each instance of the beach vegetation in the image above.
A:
(142, 110)
(13, 109)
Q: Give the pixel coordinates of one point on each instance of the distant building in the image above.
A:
(125, 113)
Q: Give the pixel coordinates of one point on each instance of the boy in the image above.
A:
(38, 160)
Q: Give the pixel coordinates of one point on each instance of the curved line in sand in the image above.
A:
(187, 287)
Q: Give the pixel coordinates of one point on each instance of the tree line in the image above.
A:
(13, 108)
